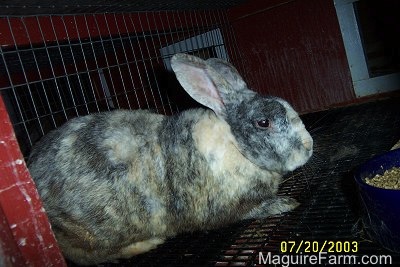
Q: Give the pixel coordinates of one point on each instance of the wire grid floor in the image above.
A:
(344, 138)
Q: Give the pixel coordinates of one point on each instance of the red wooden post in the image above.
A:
(26, 238)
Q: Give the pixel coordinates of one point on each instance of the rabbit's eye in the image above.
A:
(263, 123)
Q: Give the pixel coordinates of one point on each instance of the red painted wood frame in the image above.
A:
(26, 238)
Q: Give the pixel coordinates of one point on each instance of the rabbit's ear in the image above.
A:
(200, 81)
(229, 72)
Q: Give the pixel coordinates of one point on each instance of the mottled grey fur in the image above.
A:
(116, 184)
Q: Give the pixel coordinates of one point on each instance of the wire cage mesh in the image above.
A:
(55, 67)
(23, 7)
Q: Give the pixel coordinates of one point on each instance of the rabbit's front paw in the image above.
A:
(140, 247)
(273, 206)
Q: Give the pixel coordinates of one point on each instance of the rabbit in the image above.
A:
(119, 183)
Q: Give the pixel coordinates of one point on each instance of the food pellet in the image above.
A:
(390, 179)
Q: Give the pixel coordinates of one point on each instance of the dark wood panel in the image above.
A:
(294, 49)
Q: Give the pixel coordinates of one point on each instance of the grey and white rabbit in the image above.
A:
(117, 184)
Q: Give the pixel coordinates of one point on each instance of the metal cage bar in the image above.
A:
(62, 66)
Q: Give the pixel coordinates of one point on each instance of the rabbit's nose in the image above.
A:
(308, 144)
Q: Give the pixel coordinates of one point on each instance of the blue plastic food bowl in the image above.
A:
(381, 207)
